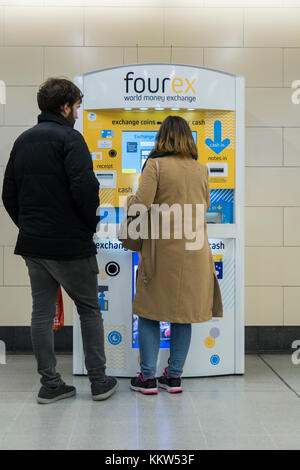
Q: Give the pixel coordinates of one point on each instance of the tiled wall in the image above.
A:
(259, 39)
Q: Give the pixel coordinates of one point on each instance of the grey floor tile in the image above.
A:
(120, 406)
(5, 424)
(257, 377)
(283, 365)
(104, 440)
(287, 441)
(11, 402)
(175, 439)
(247, 412)
(18, 374)
(11, 406)
(42, 441)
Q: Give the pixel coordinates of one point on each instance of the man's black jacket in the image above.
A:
(50, 191)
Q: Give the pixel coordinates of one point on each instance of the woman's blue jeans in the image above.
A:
(149, 342)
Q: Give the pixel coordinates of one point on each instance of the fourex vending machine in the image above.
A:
(121, 113)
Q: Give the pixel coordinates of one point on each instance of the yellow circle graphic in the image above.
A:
(210, 342)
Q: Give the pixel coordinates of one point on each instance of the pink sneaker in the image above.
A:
(171, 384)
(147, 386)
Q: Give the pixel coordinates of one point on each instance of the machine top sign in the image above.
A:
(158, 85)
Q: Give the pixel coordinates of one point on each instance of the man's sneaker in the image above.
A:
(147, 386)
(171, 384)
(50, 395)
(101, 390)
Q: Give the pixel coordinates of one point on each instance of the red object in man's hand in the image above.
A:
(59, 317)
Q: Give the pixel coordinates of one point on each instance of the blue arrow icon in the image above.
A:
(217, 145)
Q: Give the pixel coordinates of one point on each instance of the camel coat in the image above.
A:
(174, 284)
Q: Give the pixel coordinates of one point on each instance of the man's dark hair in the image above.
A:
(55, 92)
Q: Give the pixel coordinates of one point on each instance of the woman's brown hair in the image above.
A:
(175, 136)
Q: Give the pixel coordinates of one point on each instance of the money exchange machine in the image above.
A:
(120, 115)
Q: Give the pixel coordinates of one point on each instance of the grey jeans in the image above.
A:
(79, 279)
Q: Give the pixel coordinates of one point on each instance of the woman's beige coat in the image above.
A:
(175, 284)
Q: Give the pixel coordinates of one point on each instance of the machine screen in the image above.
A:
(136, 146)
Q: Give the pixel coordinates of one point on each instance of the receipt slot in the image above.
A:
(120, 116)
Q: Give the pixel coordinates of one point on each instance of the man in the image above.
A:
(51, 193)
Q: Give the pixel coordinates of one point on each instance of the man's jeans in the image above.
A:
(79, 279)
(149, 341)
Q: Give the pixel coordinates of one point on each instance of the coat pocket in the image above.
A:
(147, 256)
(145, 269)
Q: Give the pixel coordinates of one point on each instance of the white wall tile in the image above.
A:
(292, 226)
(68, 308)
(291, 3)
(21, 107)
(272, 266)
(9, 231)
(131, 55)
(147, 54)
(187, 55)
(291, 65)
(10, 3)
(204, 27)
(7, 137)
(1, 25)
(264, 226)
(1, 183)
(123, 26)
(264, 146)
(21, 65)
(16, 306)
(291, 256)
(15, 269)
(43, 26)
(264, 266)
(260, 66)
(70, 61)
(263, 306)
(127, 3)
(272, 27)
(1, 265)
(277, 187)
(272, 107)
(292, 147)
(291, 306)
(243, 3)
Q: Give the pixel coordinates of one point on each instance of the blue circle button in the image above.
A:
(215, 359)
(115, 337)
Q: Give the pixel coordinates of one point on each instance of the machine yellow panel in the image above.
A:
(120, 141)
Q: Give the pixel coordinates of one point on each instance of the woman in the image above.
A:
(174, 284)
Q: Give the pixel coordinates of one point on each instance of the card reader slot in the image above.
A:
(107, 179)
(106, 176)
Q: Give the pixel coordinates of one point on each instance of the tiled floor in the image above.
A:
(259, 410)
